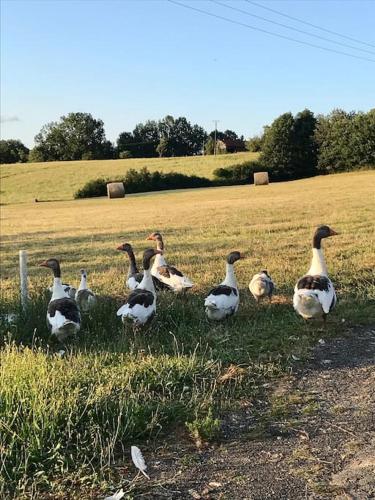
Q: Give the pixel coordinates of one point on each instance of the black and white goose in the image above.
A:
(134, 277)
(140, 306)
(261, 285)
(85, 297)
(63, 316)
(314, 295)
(168, 275)
(223, 300)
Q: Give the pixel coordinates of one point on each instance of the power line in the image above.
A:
(249, 26)
(291, 27)
(309, 24)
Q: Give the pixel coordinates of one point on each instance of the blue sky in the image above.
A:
(129, 61)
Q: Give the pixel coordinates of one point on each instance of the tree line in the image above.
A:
(79, 136)
(293, 146)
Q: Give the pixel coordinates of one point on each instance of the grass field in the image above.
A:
(64, 421)
(23, 182)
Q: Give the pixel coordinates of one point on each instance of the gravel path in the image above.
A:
(313, 439)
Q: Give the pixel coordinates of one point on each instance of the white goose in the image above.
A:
(140, 306)
(223, 300)
(168, 275)
(261, 285)
(63, 317)
(85, 298)
(314, 295)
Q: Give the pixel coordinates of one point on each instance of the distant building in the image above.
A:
(227, 145)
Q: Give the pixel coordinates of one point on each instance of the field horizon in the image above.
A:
(59, 180)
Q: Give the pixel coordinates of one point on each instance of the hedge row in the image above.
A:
(144, 181)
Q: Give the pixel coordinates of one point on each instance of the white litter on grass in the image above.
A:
(60, 353)
(321, 341)
(138, 460)
(116, 496)
(295, 358)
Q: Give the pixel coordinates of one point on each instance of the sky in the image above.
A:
(129, 61)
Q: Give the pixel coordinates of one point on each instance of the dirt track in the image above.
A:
(314, 438)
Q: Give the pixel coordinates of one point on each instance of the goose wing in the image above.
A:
(140, 305)
(321, 287)
(222, 297)
(62, 311)
(173, 277)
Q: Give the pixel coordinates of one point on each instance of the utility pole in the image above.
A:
(215, 122)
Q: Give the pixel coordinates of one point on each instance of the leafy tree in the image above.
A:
(345, 140)
(13, 151)
(180, 137)
(36, 155)
(231, 135)
(163, 147)
(278, 145)
(209, 147)
(123, 140)
(254, 144)
(289, 148)
(75, 136)
(304, 155)
(146, 132)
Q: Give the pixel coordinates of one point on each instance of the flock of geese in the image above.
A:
(314, 295)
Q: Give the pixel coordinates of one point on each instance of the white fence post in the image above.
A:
(23, 278)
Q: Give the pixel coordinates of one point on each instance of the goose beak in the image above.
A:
(149, 238)
(43, 264)
(119, 247)
(333, 233)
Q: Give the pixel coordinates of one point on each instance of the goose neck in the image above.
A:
(132, 264)
(58, 291)
(147, 282)
(83, 283)
(230, 278)
(318, 264)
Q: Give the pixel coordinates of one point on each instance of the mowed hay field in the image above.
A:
(23, 182)
(66, 421)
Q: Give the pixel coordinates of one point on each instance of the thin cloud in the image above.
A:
(7, 119)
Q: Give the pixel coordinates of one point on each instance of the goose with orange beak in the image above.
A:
(168, 275)
(314, 294)
(223, 300)
(63, 316)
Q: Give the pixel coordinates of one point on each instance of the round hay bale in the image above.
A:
(115, 190)
(261, 178)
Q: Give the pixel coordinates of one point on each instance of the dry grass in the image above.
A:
(59, 180)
